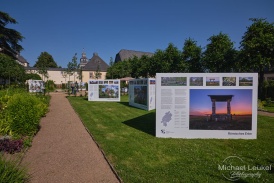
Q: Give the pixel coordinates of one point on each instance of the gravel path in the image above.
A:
(270, 114)
(63, 151)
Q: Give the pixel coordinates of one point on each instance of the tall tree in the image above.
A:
(257, 48)
(74, 65)
(156, 64)
(110, 69)
(45, 60)
(219, 55)
(10, 70)
(172, 58)
(9, 38)
(191, 56)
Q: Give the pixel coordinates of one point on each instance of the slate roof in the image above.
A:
(49, 69)
(126, 54)
(93, 63)
(22, 59)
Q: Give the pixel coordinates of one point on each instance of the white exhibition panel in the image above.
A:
(36, 86)
(206, 105)
(104, 90)
(142, 93)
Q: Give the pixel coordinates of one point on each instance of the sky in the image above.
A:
(200, 102)
(65, 27)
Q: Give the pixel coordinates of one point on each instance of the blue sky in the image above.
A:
(65, 27)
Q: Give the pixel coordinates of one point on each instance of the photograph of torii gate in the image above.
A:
(220, 109)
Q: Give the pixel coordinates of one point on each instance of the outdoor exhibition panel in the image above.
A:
(206, 105)
(104, 90)
(36, 85)
(142, 93)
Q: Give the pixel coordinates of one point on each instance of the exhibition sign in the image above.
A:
(206, 105)
(142, 93)
(104, 90)
(36, 85)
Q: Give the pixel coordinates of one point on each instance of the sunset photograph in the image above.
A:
(220, 109)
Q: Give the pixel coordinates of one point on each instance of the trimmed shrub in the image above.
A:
(24, 112)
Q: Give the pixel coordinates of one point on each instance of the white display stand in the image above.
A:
(142, 93)
(104, 90)
(36, 86)
(206, 105)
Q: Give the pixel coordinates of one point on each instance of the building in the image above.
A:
(21, 60)
(126, 54)
(94, 68)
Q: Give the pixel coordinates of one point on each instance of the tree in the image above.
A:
(72, 67)
(191, 56)
(10, 69)
(32, 76)
(98, 73)
(219, 56)
(172, 58)
(156, 64)
(120, 69)
(257, 49)
(9, 38)
(45, 60)
(110, 69)
(136, 65)
(69, 70)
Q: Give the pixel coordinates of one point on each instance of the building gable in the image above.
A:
(94, 63)
(126, 54)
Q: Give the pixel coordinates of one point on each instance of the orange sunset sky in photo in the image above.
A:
(200, 102)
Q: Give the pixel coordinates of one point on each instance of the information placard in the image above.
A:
(142, 93)
(36, 86)
(206, 105)
(104, 90)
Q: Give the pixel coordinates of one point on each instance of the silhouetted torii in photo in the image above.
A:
(221, 98)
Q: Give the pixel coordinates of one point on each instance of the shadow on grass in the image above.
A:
(145, 123)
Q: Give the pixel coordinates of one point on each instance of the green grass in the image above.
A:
(11, 171)
(127, 136)
(269, 108)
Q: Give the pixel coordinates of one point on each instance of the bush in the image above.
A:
(50, 86)
(11, 146)
(260, 105)
(20, 112)
(24, 112)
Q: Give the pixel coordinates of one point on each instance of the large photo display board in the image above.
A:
(36, 86)
(104, 90)
(142, 93)
(206, 105)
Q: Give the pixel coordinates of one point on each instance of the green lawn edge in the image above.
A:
(127, 136)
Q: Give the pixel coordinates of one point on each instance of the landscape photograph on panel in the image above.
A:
(104, 90)
(108, 91)
(220, 109)
(140, 95)
(206, 105)
(36, 86)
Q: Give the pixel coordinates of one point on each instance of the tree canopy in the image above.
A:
(257, 48)
(9, 38)
(219, 55)
(10, 69)
(191, 56)
(45, 60)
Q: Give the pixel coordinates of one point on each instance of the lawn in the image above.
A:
(127, 136)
